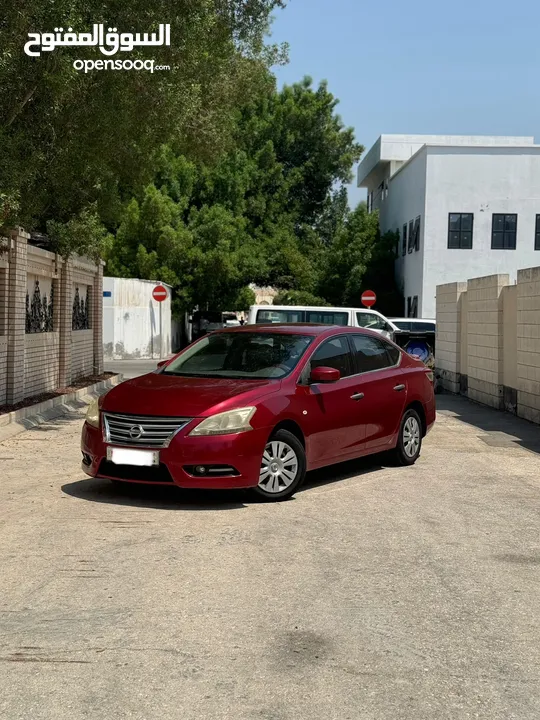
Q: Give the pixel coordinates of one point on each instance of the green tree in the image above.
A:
(298, 297)
(252, 216)
(347, 257)
(70, 139)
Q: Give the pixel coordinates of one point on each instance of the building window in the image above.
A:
(411, 231)
(412, 306)
(460, 231)
(414, 238)
(537, 234)
(404, 240)
(503, 232)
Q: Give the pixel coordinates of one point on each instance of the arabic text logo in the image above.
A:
(109, 43)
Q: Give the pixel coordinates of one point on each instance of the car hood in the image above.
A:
(173, 396)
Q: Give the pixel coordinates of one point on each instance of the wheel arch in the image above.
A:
(292, 427)
(419, 408)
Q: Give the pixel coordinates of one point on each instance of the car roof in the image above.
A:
(297, 329)
(314, 308)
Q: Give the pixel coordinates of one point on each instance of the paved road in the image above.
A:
(395, 594)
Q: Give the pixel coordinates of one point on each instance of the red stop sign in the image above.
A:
(159, 293)
(368, 298)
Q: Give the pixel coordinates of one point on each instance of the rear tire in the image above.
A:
(409, 444)
(283, 467)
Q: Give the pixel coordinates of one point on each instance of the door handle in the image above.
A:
(357, 396)
(399, 387)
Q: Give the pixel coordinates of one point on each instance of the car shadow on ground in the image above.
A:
(160, 497)
(497, 428)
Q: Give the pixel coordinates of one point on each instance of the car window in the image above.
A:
(240, 355)
(372, 322)
(333, 353)
(402, 324)
(280, 316)
(373, 354)
(326, 317)
(423, 327)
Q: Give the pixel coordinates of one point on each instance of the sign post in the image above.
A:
(368, 298)
(159, 294)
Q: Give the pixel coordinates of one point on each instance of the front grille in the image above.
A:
(141, 430)
(158, 473)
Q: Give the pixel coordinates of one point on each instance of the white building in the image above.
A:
(464, 207)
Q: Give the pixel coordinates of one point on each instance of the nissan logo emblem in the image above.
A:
(136, 432)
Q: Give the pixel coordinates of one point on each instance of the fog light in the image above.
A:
(200, 470)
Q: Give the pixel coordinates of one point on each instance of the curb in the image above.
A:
(26, 418)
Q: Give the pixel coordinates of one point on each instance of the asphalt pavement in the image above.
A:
(376, 593)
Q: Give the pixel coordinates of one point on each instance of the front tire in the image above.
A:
(283, 467)
(409, 444)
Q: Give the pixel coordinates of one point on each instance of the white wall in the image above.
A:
(131, 320)
(405, 202)
(483, 182)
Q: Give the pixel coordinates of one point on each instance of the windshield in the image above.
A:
(241, 355)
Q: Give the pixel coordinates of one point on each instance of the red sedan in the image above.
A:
(258, 406)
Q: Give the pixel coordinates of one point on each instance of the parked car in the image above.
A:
(355, 317)
(256, 407)
(230, 319)
(417, 337)
(414, 324)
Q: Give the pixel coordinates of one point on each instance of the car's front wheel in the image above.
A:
(409, 441)
(283, 467)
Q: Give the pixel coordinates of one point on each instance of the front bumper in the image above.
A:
(242, 452)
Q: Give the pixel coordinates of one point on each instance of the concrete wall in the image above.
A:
(528, 344)
(3, 321)
(510, 326)
(41, 362)
(82, 353)
(485, 339)
(131, 320)
(37, 356)
(449, 333)
(488, 341)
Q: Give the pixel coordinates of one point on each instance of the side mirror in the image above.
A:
(324, 375)
(161, 363)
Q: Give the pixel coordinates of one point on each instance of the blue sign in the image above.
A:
(107, 293)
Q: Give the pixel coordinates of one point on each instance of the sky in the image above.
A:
(412, 66)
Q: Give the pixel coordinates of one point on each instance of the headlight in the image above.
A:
(92, 414)
(226, 423)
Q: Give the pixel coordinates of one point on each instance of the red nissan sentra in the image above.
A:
(258, 406)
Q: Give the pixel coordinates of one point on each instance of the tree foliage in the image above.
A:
(298, 297)
(254, 215)
(70, 139)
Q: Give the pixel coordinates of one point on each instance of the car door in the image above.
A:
(331, 417)
(384, 389)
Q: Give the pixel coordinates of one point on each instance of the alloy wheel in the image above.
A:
(279, 467)
(411, 437)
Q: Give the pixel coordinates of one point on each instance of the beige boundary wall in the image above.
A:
(37, 362)
(488, 341)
